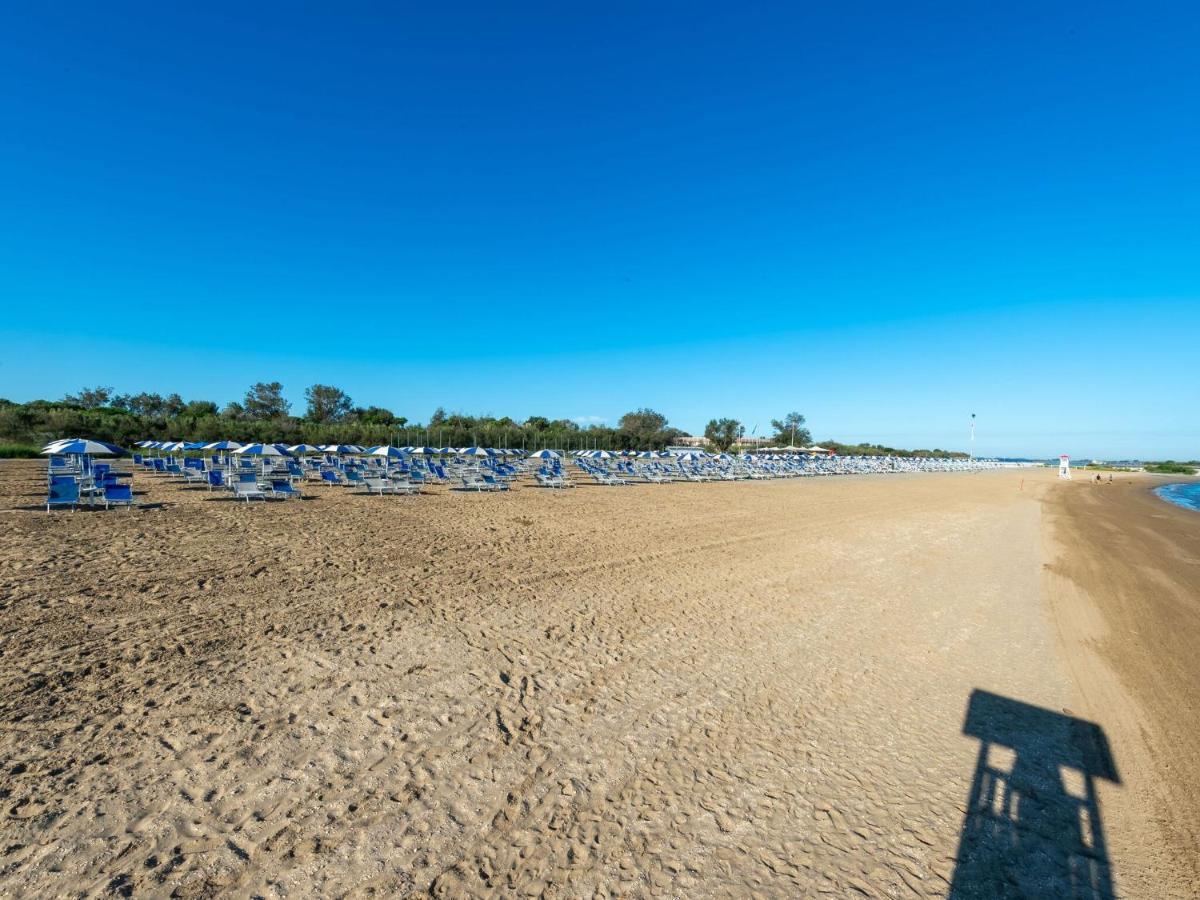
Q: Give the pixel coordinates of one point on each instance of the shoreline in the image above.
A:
(1123, 580)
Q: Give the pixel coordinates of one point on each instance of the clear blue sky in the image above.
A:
(886, 216)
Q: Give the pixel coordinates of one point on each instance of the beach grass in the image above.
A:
(18, 451)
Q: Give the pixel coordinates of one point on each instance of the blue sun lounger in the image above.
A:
(63, 492)
(116, 494)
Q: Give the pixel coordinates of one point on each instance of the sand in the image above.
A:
(693, 690)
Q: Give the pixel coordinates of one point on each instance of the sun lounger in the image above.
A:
(248, 490)
(284, 489)
(63, 492)
(472, 482)
(116, 494)
(380, 486)
(494, 483)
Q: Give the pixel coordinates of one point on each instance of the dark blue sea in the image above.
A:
(1185, 495)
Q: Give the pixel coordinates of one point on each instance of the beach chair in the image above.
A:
(117, 494)
(402, 486)
(63, 492)
(248, 490)
(216, 479)
(373, 485)
(493, 482)
(331, 476)
(284, 489)
(192, 475)
(472, 482)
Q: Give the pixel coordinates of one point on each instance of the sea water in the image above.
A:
(1186, 495)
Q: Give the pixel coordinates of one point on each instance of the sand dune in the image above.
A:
(686, 690)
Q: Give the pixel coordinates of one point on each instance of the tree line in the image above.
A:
(264, 415)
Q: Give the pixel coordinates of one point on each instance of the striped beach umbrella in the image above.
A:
(80, 447)
(259, 450)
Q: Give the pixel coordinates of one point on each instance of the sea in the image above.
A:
(1185, 495)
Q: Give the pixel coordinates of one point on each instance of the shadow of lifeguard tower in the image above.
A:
(1033, 826)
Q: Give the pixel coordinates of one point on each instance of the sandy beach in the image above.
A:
(830, 686)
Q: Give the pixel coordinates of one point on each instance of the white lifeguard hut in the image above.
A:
(1064, 467)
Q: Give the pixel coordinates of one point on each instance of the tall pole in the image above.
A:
(972, 455)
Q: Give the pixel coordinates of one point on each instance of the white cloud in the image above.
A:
(588, 420)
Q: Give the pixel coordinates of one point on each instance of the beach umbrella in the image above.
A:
(476, 451)
(145, 444)
(647, 454)
(724, 457)
(81, 447)
(423, 451)
(388, 451)
(691, 456)
(340, 448)
(194, 445)
(304, 448)
(222, 445)
(544, 454)
(259, 450)
(600, 454)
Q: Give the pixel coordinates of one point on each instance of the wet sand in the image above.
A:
(691, 690)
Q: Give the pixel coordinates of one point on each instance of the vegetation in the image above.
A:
(1170, 467)
(790, 431)
(722, 434)
(330, 417)
(882, 450)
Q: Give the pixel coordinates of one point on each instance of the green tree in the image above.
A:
(790, 431)
(723, 433)
(326, 403)
(265, 401)
(644, 429)
(90, 398)
(197, 409)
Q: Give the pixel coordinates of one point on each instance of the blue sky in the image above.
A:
(887, 217)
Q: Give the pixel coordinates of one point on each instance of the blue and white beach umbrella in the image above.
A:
(476, 451)
(647, 454)
(81, 447)
(600, 454)
(544, 454)
(222, 445)
(304, 448)
(422, 451)
(387, 450)
(340, 448)
(258, 450)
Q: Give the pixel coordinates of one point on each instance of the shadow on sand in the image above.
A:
(1033, 826)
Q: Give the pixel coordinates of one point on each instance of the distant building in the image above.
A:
(689, 442)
